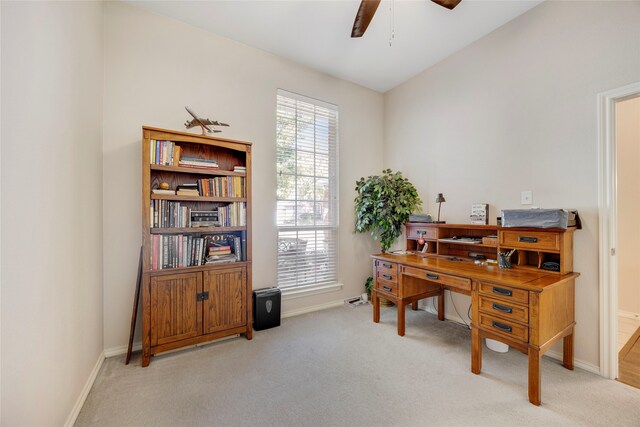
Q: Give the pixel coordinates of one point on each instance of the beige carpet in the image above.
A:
(337, 368)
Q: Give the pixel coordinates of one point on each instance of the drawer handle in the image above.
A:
(386, 265)
(500, 291)
(502, 308)
(387, 276)
(501, 326)
(432, 276)
(387, 288)
(525, 239)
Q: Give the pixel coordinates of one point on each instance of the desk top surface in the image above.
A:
(520, 278)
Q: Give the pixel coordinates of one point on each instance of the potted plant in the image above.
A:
(383, 205)
(368, 286)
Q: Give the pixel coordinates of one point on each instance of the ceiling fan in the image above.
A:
(368, 8)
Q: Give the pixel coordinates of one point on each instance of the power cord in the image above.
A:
(433, 302)
(456, 310)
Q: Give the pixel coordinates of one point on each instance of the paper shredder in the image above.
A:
(266, 308)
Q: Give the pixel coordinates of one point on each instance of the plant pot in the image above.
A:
(385, 302)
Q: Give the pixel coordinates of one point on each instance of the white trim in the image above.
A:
(608, 280)
(629, 314)
(117, 351)
(313, 308)
(293, 293)
(71, 419)
(137, 346)
(589, 367)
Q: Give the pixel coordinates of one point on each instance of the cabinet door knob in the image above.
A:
(432, 276)
(387, 288)
(386, 265)
(387, 276)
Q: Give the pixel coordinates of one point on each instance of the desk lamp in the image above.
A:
(439, 201)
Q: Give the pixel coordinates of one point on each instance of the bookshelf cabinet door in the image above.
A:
(175, 312)
(226, 306)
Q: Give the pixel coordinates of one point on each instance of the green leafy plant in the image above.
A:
(368, 285)
(383, 204)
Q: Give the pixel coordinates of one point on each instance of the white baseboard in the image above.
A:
(589, 367)
(71, 419)
(299, 311)
(137, 346)
(629, 314)
(117, 351)
(576, 362)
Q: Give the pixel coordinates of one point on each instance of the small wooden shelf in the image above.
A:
(196, 268)
(196, 198)
(192, 171)
(480, 245)
(196, 230)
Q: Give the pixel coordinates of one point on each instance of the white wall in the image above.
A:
(154, 67)
(628, 200)
(517, 111)
(52, 320)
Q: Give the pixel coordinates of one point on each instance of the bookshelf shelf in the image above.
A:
(184, 300)
(172, 271)
(196, 230)
(197, 171)
(175, 197)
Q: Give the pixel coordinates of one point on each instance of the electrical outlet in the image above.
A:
(526, 197)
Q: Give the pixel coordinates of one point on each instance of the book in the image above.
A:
(479, 213)
(160, 191)
(183, 192)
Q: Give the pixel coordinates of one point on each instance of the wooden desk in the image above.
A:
(530, 310)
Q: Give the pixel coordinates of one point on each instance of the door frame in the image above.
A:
(608, 280)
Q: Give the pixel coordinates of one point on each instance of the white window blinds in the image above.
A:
(307, 197)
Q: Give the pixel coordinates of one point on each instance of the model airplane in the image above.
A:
(203, 123)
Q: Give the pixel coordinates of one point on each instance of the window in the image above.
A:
(307, 197)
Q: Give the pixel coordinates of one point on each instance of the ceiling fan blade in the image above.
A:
(364, 16)
(449, 4)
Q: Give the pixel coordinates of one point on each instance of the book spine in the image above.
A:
(243, 244)
(175, 251)
(238, 248)
(192, 252)
(178, 153)
(165, 251)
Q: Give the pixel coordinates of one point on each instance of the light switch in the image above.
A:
(526, 197)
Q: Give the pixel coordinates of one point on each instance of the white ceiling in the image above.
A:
(318, 33)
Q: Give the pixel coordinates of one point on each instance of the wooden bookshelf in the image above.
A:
(184, 301)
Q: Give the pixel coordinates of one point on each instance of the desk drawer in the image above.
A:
(505, 293)
(387, 275)
(382, 265)
(536, 240)
(414, 232)
(444, 279)
(510, 311)
(504, 327)
(388, 287)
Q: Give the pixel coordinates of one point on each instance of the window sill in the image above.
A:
(311, 290)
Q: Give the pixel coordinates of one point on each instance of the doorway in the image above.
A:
(619, 208)
(627, 141)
